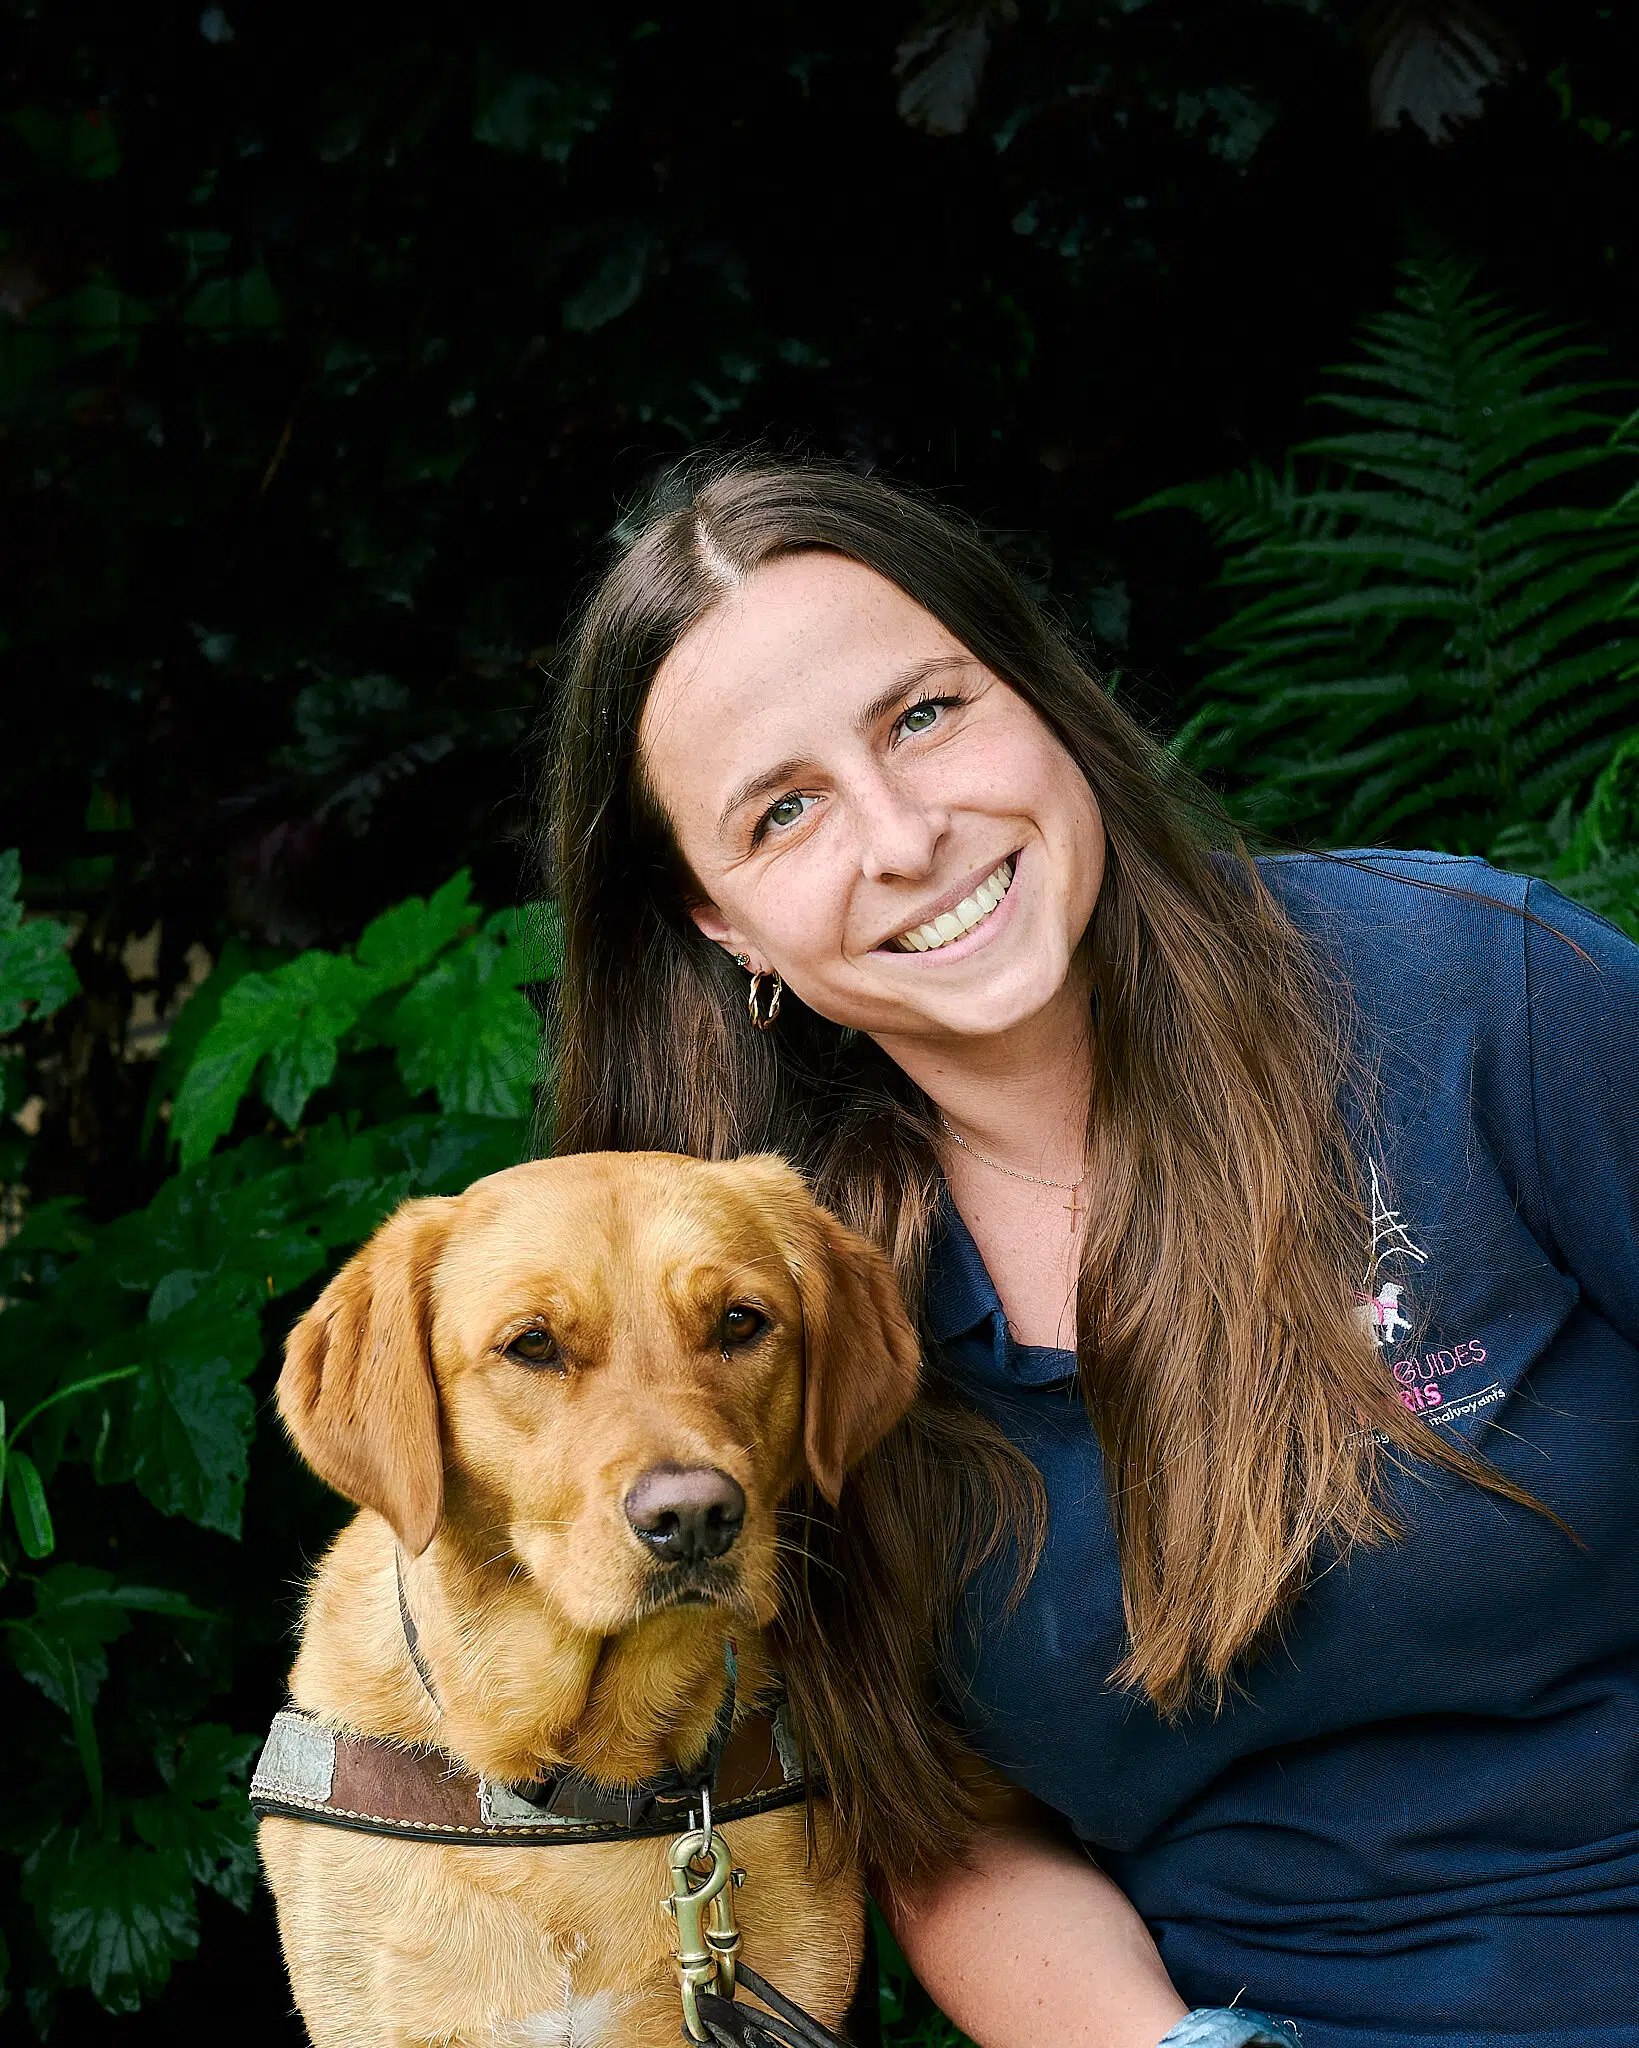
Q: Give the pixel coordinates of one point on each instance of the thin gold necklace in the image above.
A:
(1072, 1188)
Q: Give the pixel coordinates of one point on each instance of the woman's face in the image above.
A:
(868, 810)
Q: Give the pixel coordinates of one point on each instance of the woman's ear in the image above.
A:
(716, 927)
(357, 1391)
(861, 1359)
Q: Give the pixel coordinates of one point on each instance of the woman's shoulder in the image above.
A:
(1385, 886)
(1439, 941)
(1385, 914)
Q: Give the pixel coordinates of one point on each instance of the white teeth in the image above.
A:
(953, 924)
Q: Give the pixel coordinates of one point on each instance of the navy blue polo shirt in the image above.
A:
(1418, 1826)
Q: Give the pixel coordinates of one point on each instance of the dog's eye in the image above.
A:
(742, 1325)
(534, 1348)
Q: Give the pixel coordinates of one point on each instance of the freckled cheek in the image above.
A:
(1001, 771)
(800, 916)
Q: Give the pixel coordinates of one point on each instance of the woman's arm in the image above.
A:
(1029, 1945)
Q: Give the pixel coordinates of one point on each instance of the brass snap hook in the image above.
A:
(703, 1907)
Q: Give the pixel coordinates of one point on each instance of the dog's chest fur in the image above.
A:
(404, 1943)
(592, 2021)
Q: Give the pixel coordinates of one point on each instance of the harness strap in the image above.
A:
(308, 1771)
(412, 1635)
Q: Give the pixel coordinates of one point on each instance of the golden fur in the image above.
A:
(503, 1485)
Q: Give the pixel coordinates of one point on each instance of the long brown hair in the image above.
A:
(1241, 1405)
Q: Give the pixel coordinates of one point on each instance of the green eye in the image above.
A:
(787, 811)
(920, 717)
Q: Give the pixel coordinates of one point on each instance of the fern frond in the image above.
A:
(1437, 632)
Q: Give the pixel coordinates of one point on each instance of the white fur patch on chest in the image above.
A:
(591, 2021)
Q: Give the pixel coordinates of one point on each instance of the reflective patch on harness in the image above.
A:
(785, 1745)
(500, 1806)
(298, 1760)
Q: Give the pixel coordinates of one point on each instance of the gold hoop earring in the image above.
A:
(760, 1017)
(763, 1019)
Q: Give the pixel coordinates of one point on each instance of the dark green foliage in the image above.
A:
(36, 975)
(1441, 640)
(1592, 855)
(126, 1355)
(453, 1013)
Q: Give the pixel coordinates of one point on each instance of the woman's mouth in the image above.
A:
(956, 923)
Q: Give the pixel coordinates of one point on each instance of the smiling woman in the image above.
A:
(1136, 1114)
(920, 859)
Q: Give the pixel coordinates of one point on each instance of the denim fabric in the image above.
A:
(1417, 1824)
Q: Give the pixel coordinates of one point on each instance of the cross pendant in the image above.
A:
(1074, 1205)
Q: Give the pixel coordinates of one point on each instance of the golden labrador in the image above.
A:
(570, 1404)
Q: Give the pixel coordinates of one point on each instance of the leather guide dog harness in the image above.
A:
(377, 1786)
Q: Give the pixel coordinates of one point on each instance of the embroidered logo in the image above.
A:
(1386, 1309)
(1383, 1313)
(1381, 1297)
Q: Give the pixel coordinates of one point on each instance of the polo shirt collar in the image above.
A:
(964, 1312)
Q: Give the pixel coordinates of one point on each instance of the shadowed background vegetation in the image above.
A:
(1286, 342)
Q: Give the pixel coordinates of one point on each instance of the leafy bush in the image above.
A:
(129, 1357)
(1440, 646)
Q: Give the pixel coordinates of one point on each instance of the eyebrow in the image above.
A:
(781, 775)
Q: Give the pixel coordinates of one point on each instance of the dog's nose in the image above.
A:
(685, 1513)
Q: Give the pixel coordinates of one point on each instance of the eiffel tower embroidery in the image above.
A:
(1380, 1300)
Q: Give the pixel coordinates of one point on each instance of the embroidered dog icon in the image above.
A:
(1382, 1313)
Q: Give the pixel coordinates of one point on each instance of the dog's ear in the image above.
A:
(357, 1391)
(861, 1358)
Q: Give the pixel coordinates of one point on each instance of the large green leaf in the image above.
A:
(191, 1416)
(289, 1023)
(77, 1614)
(281, 1029)
(219, 1075)
(466, 1032)
(240, 1213)
(403, 941)
(181, 1426)
(115, 1915)
(194, 1022)
(203, 1815)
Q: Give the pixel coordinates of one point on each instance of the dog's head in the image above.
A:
(613, 1367)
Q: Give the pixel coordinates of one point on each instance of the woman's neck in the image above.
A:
(1019, 1097)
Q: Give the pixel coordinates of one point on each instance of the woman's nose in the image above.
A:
(899, 833)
